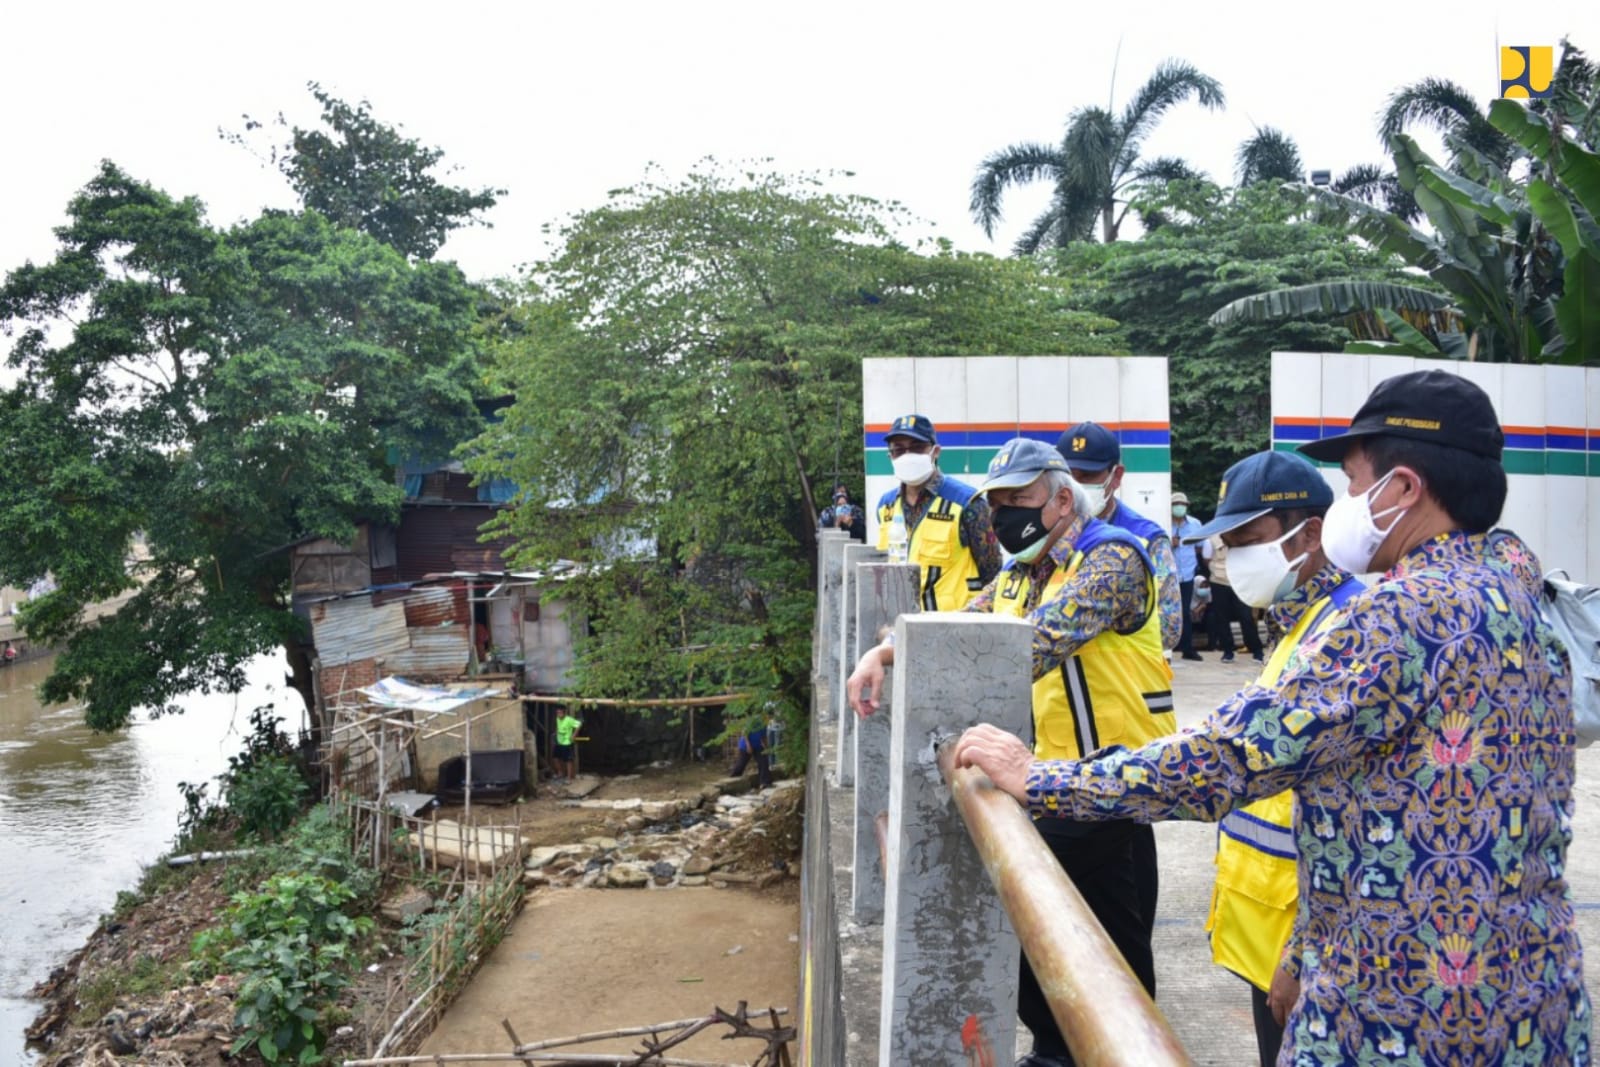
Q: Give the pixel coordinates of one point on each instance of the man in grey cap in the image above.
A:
(1428, 738)
(1100, 678)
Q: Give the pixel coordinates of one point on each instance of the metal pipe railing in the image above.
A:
(1104, 1013)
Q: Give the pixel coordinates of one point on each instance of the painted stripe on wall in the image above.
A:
(1529, 449)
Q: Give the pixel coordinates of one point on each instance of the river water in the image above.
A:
(81, 813)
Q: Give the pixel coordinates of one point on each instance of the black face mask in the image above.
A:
(1018, 529)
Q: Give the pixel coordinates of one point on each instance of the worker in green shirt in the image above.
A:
(567, 725)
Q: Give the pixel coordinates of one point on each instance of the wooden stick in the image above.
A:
(662, 702)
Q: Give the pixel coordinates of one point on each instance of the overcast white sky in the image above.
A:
(560, 103)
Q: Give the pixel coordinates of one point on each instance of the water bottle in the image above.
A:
(899, 540)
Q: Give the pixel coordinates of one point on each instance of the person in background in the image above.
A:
(1271, 521)
(755, 743)
(843, 515)
(567, 727)
(1429, 739)
(1225, 606)
(1094, 455)
(951, 538)
(1188, 560)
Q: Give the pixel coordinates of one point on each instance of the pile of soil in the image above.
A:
(771, 839)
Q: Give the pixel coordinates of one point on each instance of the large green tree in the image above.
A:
(688, 371)
(1098, 165)
(224, 392)
(1216, 245)
(367, 175)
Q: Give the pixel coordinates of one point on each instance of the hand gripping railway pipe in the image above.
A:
(1104, 1013)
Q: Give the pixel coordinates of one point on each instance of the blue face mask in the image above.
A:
(1179, 510)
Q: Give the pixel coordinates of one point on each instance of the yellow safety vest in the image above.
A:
(949, 573)
(1256, 894)
(1115, 690)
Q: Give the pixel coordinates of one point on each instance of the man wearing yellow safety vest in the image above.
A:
(947, 525)
(1100, 678)
(1269, 514)
(1094, 455)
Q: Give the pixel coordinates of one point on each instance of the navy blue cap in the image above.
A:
(1019, 462)
(1425, 405)
(1264, 482)
(917, 427)
(1089, 446)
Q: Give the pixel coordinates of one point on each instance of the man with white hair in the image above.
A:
(1100, 678)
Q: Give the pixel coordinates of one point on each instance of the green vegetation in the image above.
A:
(687, 369)
(1216, 245)
(291, 944)
(225, 392)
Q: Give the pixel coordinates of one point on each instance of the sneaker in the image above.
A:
(1193, 655)
(1227, 657)
(1259, 657)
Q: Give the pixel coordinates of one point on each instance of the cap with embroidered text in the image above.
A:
(1089, 446)
(1266, 481)
(1425, 405)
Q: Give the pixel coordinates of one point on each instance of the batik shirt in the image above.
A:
(1109, 592)
(1429, 740)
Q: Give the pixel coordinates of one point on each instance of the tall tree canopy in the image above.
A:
(366, 175)
(1218, 244)
(224, 393)
(1096, 167)
(689, 370)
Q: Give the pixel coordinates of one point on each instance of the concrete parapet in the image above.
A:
(883, 592)
(854, 556)
(949, 952)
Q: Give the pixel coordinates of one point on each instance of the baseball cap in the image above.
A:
(1266, 481)
(1089, 446)
(1019, 462)
(1425, 405)
(917, 427)
(1180, 498)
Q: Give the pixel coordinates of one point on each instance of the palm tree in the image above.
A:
(1269, 156)
(1096, 165)
(1443, 105)
(1472, 140)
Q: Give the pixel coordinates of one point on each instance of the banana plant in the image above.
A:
(1501, 264)
(1566, 198)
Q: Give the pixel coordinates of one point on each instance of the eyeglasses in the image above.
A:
(899, 446)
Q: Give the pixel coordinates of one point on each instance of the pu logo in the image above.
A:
(1222, 491)
(999, 462)
(903, 422)
(1526, 71)
(1080, 443)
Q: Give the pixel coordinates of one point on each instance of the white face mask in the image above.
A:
(1350, 534)
(913, 468)
(1260, 574)
(1097, 497)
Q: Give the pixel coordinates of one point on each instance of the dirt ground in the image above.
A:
(547, 819)
(579, 960)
